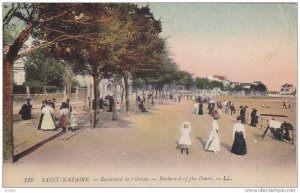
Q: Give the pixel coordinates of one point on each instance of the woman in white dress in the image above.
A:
(213, 143)
(47, 122)
(185, 140)
(73, 121)
(196, 107)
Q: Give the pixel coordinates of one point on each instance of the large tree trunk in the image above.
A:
(122, 93)
(8, 58)
(8, 139)
(96, 97)
(114, 113)
(126, 76)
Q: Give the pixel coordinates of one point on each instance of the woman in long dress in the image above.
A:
(239, 144)
(213, 143)
(200, 112)
(196, 107)
(185, 140)
(47, 120)
(64, 116)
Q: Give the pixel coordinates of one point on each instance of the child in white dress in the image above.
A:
(185, 140)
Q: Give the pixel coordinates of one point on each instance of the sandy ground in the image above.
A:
(141, 150)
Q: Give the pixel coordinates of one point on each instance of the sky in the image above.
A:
(245, 42)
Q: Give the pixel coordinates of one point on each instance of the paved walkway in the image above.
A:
(141, 150)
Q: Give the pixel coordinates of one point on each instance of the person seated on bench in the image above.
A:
(142, 107)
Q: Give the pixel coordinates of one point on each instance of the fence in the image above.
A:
(80, 95)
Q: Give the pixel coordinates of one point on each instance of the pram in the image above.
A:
(280, 131)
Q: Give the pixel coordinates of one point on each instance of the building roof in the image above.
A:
(220, 77)
(287, 85)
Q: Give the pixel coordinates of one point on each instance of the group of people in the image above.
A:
(214, 110)
(48, 121)
(198, 106)
(286, 104)
(215, 107)
(239, 146)
(103, 104)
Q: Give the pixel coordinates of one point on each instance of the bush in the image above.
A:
(37, 90)
(19, 89)
(51, 89)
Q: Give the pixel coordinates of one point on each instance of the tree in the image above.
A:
(29, 19)
(163, 71)
(184, 79)
(260, 87)
(88, 49)
(238, 88)
(42, 69)
(138, 41)
(216, 84)
(201, 83)
(28, 15)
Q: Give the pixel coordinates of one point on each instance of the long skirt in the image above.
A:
(200, 112)
(47, 122)
(63, 121)
(239, 145)
(213, 143)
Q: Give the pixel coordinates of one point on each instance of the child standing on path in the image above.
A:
(185, 140)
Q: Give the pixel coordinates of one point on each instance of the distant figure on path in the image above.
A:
(47, 120)
(110, 104)
(200, 112)
(211, 106)
(284, 104)
(239, 144)
(254, 118)
(232, 109)
(25, 111)
(243, 114)
(101, 103)
(142, 107)
(213, 143)
(185, 140)
(227, 105)
(196, 107)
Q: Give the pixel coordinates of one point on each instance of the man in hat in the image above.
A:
(254, 118)
(232, 109)
(25, 111)
(243, 114)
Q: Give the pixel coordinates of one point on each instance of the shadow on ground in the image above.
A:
(226, 146)
(203, 143)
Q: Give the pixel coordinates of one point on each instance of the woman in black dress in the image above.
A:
(239, 146)
(200, 112)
